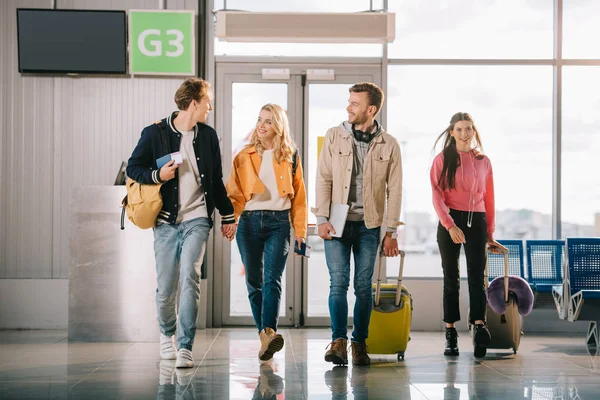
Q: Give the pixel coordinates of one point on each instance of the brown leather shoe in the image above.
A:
(359, 354)
(270, 343)
(337, 379)
(338, 352)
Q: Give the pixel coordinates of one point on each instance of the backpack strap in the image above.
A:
(123, 213)
(124, 204)
(163, 137)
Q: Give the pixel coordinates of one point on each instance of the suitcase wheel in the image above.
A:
(401, 356)
(514, 351)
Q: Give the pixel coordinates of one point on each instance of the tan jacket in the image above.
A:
(243, 182)
(382, 179)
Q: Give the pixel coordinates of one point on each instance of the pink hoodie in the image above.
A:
(473, 192)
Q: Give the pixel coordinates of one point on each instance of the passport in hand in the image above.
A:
(177, 157)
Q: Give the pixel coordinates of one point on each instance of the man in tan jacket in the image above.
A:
(360, 166)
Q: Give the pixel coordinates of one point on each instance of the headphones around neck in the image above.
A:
(361, 136)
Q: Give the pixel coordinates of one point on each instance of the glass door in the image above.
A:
(312, 107)
(324, 107)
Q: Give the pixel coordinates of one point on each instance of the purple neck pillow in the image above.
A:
(518, 287)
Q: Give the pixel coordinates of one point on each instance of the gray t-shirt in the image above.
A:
(355, 194)
(191, 196)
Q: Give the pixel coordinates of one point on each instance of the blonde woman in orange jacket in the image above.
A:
(268, 198)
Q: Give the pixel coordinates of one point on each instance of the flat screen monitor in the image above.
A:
(72, 41)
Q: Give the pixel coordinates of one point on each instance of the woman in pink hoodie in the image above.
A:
(463, 198)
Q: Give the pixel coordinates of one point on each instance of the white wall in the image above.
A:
(33, 303)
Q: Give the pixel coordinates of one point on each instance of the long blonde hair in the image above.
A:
(283, 144)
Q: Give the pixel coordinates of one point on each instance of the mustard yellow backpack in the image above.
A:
(143, 201)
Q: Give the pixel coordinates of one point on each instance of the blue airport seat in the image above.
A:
(515, 260)
(545, 263)
(583, 284)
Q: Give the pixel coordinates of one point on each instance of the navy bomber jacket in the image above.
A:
(142, 168)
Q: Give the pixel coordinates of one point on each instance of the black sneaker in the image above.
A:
(451, 342)
(481, 340)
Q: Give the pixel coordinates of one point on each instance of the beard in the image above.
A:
(357, 119)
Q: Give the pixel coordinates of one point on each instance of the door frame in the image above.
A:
(249, 70)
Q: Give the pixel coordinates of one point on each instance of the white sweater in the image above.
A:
(270, 199)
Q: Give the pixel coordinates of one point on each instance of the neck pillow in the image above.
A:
(518, 287)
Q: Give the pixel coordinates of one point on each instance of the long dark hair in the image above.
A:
(451, 157)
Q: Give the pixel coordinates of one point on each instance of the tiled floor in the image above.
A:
(43, 365)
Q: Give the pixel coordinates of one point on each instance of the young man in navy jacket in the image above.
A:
(190, 191)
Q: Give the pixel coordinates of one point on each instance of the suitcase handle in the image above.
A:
(504, 251)
(399, 285)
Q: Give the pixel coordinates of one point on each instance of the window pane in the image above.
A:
(512, 108)
(472, 29)
(580, 149)
(580, 29)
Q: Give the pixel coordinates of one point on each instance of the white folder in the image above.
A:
(337, 217)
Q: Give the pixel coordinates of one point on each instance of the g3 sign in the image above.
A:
(162, 42)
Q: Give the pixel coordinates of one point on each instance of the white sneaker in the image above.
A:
(167, 348)
(167, 367)
(184, 359)
(184, 376)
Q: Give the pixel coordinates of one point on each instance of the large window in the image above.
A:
(581, 28)
(472, 29)
(512, 109)
(580, 149)
(510, 98)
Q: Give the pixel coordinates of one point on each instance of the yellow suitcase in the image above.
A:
(389, 328)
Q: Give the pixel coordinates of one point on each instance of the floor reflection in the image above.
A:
(45, 366)
(175, 383)
(269, 383)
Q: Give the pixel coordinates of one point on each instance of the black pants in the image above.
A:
(475, 251)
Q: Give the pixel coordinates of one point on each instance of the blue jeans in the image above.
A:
(263, 238)
(363, 243)
(179, 252)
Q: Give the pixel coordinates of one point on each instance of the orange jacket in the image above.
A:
(243, 182)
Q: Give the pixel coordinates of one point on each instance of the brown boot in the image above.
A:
(338, 352)
(270, 343)
(359, 354)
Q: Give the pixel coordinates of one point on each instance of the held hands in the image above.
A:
(390, 247)
(167, 172)
(325, 229)
(228, 231)
(457, 235)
